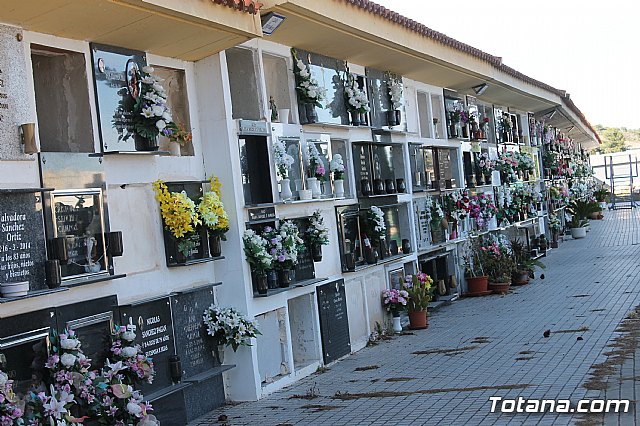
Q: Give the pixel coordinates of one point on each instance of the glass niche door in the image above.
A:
(78, 217)
(296, 171)
(322, 145)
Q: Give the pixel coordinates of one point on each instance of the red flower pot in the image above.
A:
(478, 284)
(418, 320)
(499, 288)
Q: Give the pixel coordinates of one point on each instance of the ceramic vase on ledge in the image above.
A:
(314, 186)
(285, 189)
(338, 186)
(397, 326)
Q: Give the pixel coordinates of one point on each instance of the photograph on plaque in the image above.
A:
(78, 218)
(396, 278)
(117, 89)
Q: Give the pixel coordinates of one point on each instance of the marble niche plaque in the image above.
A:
(14, 95)
(193, 344)
(22, 249)
(154, 333)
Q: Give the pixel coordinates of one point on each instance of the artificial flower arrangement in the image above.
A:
(316, 166)
(507, 164)
(394, 85)
(455, 114)
(394, 301)
(376, 224)
(554, 224)
(484, 164)
(472, 258)
(317, 233)
(525, 162)
(179, 215)
(284, 244)
(457, 205)
(229, 327)
(309, 91)
(498, 260)
(485, 124)
(255, 250)
(337, 167)
(151, 115)
(282, 159)
(580, 168)
(139, 368)
(10, 411)
(436, 215)
(355, 98)
(211, 210)
(482, 209)
(120, 402)
(419, 291)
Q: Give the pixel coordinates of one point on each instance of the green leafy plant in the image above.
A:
(420, 289)
(582, 209)
(524, 262)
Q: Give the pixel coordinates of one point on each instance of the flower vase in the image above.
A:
(316, 252)
(272, 279)
(314, 186)
(284, 278)
(363, 118)
(393, 248)
(383, 250)
(453, 132)
(283, 116)
(397, 326)
(144, 144)
(261, 284)
(355, 118)
(305, 194)
(338, 187)
(391, 118)
(310, 112)
(285, 189)
(487, 179)
(220, 354)
(365, 187)
(215, 245)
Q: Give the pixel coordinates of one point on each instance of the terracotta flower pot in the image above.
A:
(499, 288)
(418, 320)
(478, 284)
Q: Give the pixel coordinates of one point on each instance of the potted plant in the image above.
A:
(283, 162)
(580, 211)
(499, 264)
(377, 229)
(180, 218)
(474, 273)
(395, 301)
(525, 265)
(419, 289)
(601, 194)
(228, 327)
(214, 217)
(355, 99)
(260, 260)
(317, 235)
(337, 168)
(310, 93)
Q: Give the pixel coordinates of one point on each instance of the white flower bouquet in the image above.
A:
(309, 91)
(337, 167)
(317, 232)
(282, 160)
(255, 249)
(356, 98)
(229, 327)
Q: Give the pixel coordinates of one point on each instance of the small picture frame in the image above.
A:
(396, 278)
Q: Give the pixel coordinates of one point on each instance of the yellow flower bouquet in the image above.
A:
(211, 211)
(179, 216)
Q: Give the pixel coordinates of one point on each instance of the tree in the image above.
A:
(613, 140)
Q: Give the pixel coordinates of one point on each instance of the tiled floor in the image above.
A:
(590, 286)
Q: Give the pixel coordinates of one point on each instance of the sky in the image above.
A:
(589, 48)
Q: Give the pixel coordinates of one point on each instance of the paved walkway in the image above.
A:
(491, 346)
